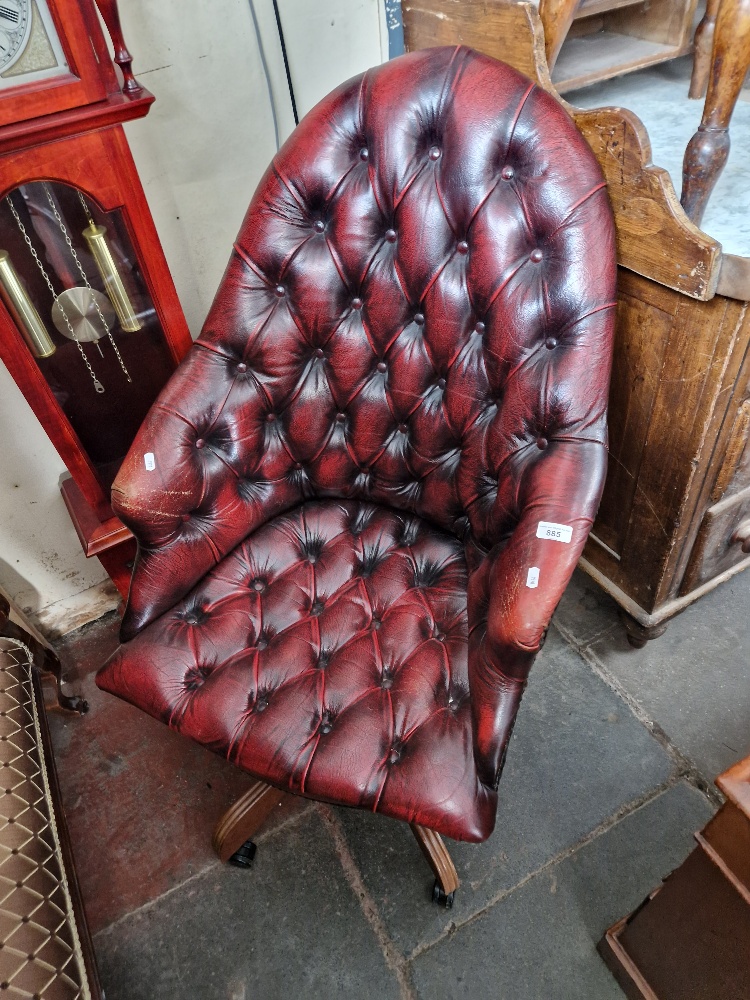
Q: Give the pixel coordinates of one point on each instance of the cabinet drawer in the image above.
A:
(718, 547)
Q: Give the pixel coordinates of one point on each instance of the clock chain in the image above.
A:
(64, 231)
(97, 384)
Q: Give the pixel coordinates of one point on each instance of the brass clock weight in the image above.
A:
(81, 313)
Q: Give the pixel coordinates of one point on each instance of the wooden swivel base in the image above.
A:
(232, 839)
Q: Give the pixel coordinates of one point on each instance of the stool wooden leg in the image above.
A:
(708, 150)
(556, 17)
(439, 860)
(703, 45)
(244, 818)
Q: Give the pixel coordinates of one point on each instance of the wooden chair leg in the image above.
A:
(244, 818)
(439, 860)
(703, 44)
(708, 150)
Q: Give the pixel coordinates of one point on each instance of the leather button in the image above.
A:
(270, 417)
(258, 585)
(340, 418)
(439, 636)
(316, 609)
(192, 618)
(319, 226)
(376, 622)
(536, 255)
(261, 705)
(402, 428)
(357, 303)
(441, 383)
(394, 756)
(319, 352)
(479, 328)
(550, 343)
(262, 644)
(242, 367)
(326, 728)
(541, 443)
(184, 517)
(434, 153)
(382, 366)
(390, 235)
(419, 319)
(462, 247)
(297, 465)
(386, 682)
(364, 153)
(200, 443)
(280, 291)
(508, 173)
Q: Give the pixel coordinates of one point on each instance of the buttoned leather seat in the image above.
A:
(360, 497)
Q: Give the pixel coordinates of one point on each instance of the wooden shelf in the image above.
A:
(604, 54)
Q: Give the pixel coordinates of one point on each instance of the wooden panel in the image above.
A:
(641, 336)
(593, 52)
(716, 549)
(735, 466)
(654, 236)
(664, 21)
(726, 840)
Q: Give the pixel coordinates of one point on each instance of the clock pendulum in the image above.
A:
(81, 313)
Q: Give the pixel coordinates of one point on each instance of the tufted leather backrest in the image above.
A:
(417, 313)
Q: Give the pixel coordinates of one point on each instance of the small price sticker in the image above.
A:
(554, 532)
(532, 577)
(149, 461)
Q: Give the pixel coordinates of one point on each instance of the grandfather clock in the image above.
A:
(90, 323)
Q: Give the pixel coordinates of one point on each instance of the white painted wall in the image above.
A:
(200, 153)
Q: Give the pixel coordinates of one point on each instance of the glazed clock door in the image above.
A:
(48, 61)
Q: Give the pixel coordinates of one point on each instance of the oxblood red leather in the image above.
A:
(404, 372)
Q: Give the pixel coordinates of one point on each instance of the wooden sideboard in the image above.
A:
(675, 516)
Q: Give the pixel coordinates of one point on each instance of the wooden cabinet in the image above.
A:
(675, 515)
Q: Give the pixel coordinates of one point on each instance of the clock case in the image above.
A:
(68, 131)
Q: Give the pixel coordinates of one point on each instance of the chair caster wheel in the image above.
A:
(442, 898)
(243, 856)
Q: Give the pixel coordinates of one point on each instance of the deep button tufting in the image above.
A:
(550, 343)
(280, 291)
(325, 728)
(390, 235)
(508, 173)
(261, 704)
(270, 417)
(319, 352)
(479, 328)
(419, 319)
(402, 429)
(357, 303)
(381, 366)
(258, 585)
(297, 465)
(340, 418)
(541, 443)
(184, 518)
(262, 644)
(319, 226)
(316, 608)
(448, 519)
(199, 443)
(536, 255)
(434, 153)
(241, 368)
(394, 756)
(364, 153)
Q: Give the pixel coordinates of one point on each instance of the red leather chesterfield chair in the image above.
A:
(361, 496)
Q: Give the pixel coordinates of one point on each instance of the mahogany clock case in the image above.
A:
(61, 131)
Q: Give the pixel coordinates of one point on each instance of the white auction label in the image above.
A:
(532, 577)
(149, 461)
(555, 532)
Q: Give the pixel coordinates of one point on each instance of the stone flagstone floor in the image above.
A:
(609, 774)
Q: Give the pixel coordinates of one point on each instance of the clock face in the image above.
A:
(30, 48)
(15, 27)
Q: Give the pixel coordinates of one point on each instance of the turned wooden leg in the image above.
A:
(556, 17)
(703, 44)
(44, 659)
(639, 635)
(707, 151)
(242, 820)
(439, 860)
